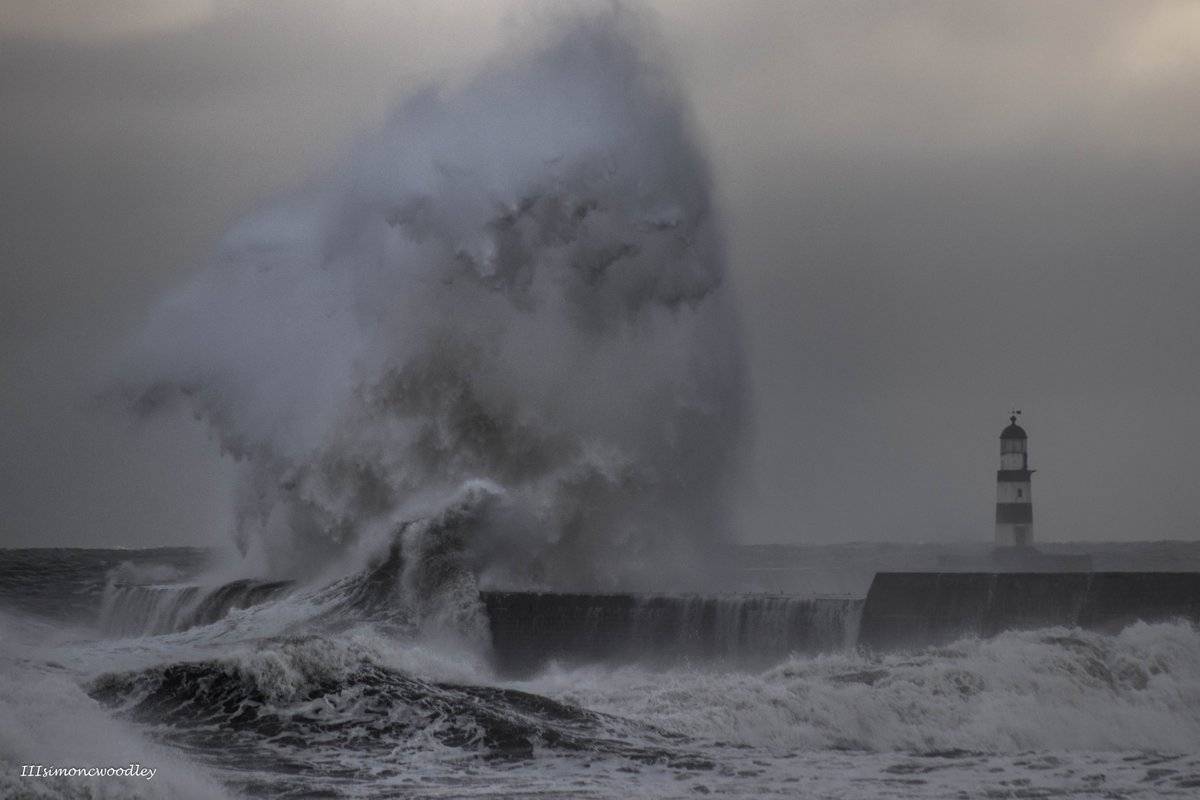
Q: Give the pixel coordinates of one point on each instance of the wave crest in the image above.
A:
(520, 281)
(302, 700)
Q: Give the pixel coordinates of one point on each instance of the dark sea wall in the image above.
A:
(912, 609)
(528, 629)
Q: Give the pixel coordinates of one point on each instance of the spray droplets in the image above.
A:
(518, 281)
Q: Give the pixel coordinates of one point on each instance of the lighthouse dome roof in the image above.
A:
(1013, 431)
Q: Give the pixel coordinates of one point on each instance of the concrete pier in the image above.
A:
(915, 609)
(529, 629)
(902, 610)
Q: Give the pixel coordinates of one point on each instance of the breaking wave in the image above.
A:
(300, 704)
(418, 585)
(521, 283)
(146, 610)
(313, 691)
(1057, 689)
(322, 706)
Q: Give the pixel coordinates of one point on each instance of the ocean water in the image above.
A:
(334, 688)
(497, 345)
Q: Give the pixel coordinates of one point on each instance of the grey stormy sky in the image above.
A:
(935, 210)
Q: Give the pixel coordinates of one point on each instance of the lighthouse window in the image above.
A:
(1020, 492)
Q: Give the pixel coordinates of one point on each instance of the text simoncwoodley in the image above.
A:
(131, 771)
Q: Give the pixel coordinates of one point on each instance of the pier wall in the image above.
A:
(528, 629)
(914, 609)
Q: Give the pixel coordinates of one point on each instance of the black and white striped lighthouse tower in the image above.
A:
(1014, 498)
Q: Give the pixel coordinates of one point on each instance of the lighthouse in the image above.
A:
(1014, 499)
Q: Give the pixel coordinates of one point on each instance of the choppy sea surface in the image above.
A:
(232, 687)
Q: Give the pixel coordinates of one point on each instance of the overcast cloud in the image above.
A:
(935, 210)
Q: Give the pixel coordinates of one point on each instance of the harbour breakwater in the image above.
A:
(531, 628)
(916, 609)
(902, 610)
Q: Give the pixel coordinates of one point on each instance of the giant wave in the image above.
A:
(518, 283)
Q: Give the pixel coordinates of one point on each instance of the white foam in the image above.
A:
(1054, 689)
(47, 719)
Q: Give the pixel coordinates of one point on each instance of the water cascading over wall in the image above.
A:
(901, 611)
(529, 629)
(128, 610)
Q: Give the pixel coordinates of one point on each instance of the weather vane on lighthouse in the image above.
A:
(1014, 494)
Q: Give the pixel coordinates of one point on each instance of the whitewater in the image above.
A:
(324, 690)
(496, 349)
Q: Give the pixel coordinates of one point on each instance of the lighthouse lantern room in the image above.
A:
(1014, 499)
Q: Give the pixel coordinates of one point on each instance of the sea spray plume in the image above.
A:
(520, 282)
